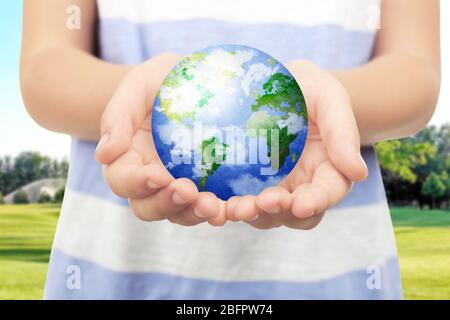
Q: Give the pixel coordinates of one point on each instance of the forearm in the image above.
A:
(392, 96)
(66, 89)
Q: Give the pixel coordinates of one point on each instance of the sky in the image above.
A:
(18, 132)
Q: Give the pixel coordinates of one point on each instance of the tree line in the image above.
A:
(29, 166)
(416, 169)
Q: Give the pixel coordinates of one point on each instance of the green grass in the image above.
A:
(423, 243)
(26, 234)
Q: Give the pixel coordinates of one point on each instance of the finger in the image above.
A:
(166, 202)
(186, 217)
(274, 200)
(211, 207)
(122, 117)
(221, 218)
(230, 207)
(303, 224)
(131, 102)
(273, 205)
(265, 221)
(338, 129)
(328, 188)
(330, 108)
(136, 181)
(246, 208)
(207, 206)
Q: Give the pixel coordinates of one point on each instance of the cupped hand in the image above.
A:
(131, 165)
(329, 164)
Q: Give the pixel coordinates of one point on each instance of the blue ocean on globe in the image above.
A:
(232, 119)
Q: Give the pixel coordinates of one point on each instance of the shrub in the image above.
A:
(20, 197)
(44, 197)
(2, 200)
(59, 195)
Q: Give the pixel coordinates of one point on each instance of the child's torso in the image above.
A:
(121, 257)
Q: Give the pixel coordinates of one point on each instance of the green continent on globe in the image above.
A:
(283, 93)
(213, 155)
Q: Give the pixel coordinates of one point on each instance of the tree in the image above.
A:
(433, 187)
(20, 197)
(28, 167)
(407, 163)
(445, 178)
(399, 160)
(59, 195)
(401, 156)
(439, 164)
(2, 200)
(44, 197)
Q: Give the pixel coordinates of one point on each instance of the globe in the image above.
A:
(231, 118)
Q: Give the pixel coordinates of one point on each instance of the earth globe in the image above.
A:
(231, 118)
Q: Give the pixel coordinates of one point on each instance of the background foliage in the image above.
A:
(416, 170)
(28, 167)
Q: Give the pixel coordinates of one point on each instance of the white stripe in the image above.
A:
(110, 235)
(351, 14)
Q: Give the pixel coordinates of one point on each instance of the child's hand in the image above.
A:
(132, 167)
(330, 161)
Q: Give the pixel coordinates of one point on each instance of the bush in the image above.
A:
(59, 195)
(20, 197)
(44, 197)
(2, 200)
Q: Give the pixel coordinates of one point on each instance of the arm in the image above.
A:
(64, 86)
(394, 95)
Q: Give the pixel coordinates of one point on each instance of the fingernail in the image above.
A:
(177, 199)
(198, 214)
(152, 185)
(312, 213)
(274, 210)
(351, 186)
(254, 218)
(362, 160)
(103, 140)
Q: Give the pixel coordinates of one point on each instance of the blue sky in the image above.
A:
(18, 132)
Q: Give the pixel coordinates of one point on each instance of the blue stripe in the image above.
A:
(330, 46)
(100, 283)
(86, 176)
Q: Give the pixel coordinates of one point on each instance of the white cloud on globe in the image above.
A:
(294, 123)
(247, 184)
(256, 72)
(228, 63)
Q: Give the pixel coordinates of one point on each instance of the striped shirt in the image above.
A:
(102, 251)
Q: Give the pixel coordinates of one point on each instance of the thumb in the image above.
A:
(329, 107)
(339, 131)
(116, 135)
(128, 108)
(122, 117)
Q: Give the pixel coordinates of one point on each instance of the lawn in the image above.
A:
(423, 242)
(26, 233)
